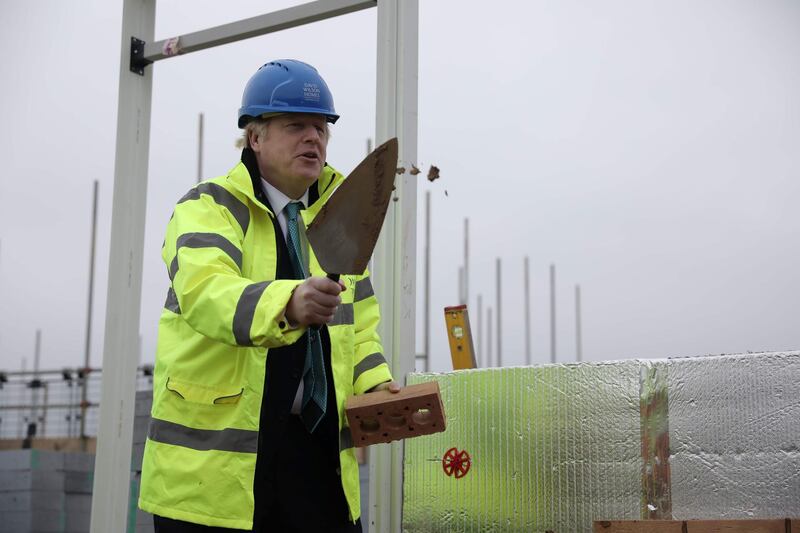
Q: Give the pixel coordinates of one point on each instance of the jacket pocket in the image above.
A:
(201, 394)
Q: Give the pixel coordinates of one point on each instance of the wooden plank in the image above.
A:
(736, 526)
(795, 528)
(638, 526)
(384, 416)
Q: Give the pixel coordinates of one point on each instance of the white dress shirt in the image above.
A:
(278, 202)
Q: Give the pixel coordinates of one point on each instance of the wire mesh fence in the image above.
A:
(55, 403)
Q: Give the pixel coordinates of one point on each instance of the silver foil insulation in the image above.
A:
(555, 447)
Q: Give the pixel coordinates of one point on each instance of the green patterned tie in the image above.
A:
(315, 387)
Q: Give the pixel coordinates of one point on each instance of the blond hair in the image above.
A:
(258, 125)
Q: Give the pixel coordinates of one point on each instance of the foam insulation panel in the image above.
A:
(555, 447)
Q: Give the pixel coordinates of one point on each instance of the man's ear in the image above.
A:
(252, 137)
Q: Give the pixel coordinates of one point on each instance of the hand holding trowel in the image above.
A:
(343, 235)
(344, 232)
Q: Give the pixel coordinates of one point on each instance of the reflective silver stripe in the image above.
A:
(205, 240)
(363, 290)
(368, 363)
(246, 311)
(224, 198)
(343, 315)
(345, 439)
(223, 440)
(172, 302)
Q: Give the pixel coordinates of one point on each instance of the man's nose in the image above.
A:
(311, 134)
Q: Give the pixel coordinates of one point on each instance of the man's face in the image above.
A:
(292, 151)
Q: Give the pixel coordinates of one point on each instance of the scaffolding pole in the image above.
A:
(578, 339)
(528, 358)
(552, 313)
(200, 147)
(498, 272)
(88, 341)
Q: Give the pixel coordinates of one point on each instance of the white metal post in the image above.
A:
(120, 350)
(395, 254)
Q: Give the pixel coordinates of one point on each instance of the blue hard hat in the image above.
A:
(286, 86)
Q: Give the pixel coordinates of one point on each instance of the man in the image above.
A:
(257, 349)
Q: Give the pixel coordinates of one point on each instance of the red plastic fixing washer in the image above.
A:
(456, 463)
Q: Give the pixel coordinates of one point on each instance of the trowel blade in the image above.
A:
(344, 232)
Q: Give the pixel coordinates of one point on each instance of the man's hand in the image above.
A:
(391, 386)
(314, 302)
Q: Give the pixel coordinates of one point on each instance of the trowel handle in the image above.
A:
(333, 277)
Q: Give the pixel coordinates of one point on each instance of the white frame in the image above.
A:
(395, 254)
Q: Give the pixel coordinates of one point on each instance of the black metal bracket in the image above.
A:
(138, 61)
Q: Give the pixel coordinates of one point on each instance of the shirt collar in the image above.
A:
(278, 200)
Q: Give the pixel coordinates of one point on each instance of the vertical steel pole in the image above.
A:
(499, 317)
(552, 313)
(488, 336)
(427, 325)
(88, 340)
(466, 262)
(528, 358)
(395, 255)
(578, 340)
(461, 285)
(200, 148)
(37, 351)
(23, 420)
(120, 353)
(480, 331)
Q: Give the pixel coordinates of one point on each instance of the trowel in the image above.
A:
(344, 232)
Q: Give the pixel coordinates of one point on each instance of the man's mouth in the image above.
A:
(309, 155)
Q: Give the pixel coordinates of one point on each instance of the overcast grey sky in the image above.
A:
(650, 149)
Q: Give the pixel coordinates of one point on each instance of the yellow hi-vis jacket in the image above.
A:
(223, 314)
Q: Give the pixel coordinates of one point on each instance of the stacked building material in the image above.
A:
(45, 491)
(32, 491)
(138, 520)
(78, 481)
(51, 492)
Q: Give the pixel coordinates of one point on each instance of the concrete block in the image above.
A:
(145, 528)
(143, 519)
(78, 503)
(27, 522)
(31, 480)
(137, 452)
(144, 402)
(140, 426)
(79, 511)
(78, 482)
(31, 460)
(31, 501)
(79, 462)
(77, 523)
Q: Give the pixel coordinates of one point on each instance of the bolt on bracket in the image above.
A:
(138, 61)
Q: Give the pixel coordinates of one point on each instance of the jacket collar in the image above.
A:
(246, 177)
